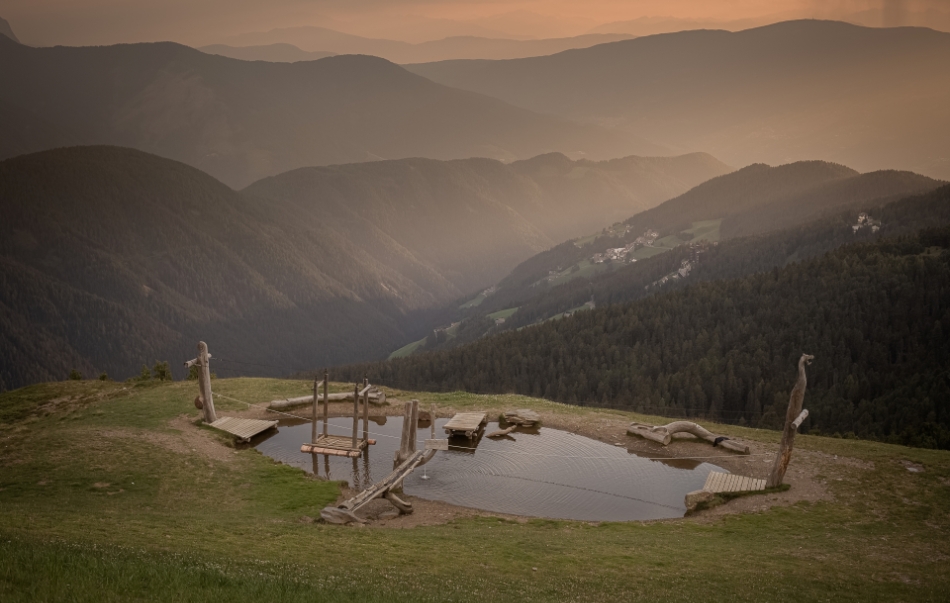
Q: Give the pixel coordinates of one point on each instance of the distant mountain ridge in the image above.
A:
(275, 53)
(243, 120)
(757, 200)
(322, 39)
(6, 30)
(111, 257)
(870, 98)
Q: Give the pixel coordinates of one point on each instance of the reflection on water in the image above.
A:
(546, 473)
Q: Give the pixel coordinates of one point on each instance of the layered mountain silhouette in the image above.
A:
(322, 39)
(7, 31)
(274, 53)
(111, 257)
(242, 120)
(866, 97)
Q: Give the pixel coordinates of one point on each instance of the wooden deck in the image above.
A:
(728, 482)
(465, 423)
(336, 445)
(243, 429)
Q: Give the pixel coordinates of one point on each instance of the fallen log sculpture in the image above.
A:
(663, 434)
(375, 397)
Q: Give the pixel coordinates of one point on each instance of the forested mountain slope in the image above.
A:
(112, 257)
(871, 98)
(874, 314)
(754, 200)
(243, 120)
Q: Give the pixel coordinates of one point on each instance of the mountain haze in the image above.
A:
(310, 38)
(241, 120)
(275, 53)
(112, 257)
(866, 97)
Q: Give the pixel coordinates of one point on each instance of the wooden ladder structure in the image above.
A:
(335, 445)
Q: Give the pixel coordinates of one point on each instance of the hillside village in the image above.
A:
(619, 254)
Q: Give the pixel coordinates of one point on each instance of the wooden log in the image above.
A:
(339, 516)
(413, 425)
(310, 448)
(502, 432)
(403, 453)
(326, 398)
(316, 394)
(801, 418)
(303, 400)
(404, 507)
(792, 423)
(663, 434)
(356, 413)
(204, 383)
(365, 408)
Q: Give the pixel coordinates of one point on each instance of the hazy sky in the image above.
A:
(196, 22)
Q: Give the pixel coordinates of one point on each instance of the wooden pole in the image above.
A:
(313, 429)
(365, 409)
(413, 424)
(204, 383)
(326, 401)
(356, 412)
(792, 423)
(403, 453)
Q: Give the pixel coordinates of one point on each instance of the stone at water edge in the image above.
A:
(697, 496)
(522, 416)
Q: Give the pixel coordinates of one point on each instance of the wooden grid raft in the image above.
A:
(728, 482)
(243, 429)
(465, 423)
(336, 445)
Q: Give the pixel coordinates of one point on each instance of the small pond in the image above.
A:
(540, 473)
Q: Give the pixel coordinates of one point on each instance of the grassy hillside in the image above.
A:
(112, 492)
(871, 98)
(242, 120)
(873, 314)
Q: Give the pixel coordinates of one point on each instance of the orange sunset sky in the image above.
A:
(196, 22)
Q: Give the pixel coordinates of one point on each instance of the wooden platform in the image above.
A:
(728, 482)
(335, 445)
(243, 429)
(465, 423)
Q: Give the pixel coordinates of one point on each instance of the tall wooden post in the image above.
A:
(313, 429)
(413, 425)
(403, 453)
(365, 409)
(204, 382)
(326, 401)
(793, 419)
(356, 412)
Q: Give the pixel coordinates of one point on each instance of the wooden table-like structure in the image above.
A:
(243, 429)
(465, 424)
(729, 482)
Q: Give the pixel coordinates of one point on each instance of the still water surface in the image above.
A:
(539, 473)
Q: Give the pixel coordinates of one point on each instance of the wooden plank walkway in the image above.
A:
(336, 445)
(243, 429)
(465, 423)
(729, 482)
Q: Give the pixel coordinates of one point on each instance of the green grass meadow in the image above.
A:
(102, 498)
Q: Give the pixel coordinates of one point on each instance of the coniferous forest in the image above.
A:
(876, 316)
